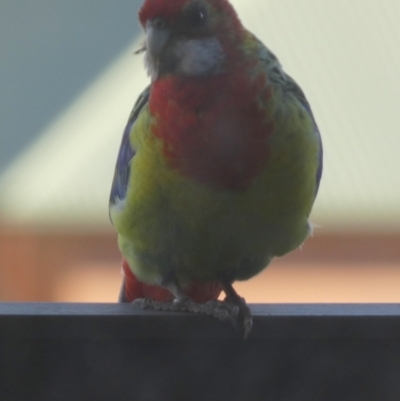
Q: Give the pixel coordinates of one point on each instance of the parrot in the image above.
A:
(219, 165)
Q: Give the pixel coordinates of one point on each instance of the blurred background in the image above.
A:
(68, 80)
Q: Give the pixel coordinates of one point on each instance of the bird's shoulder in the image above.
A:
(277, 77)
(291, 104)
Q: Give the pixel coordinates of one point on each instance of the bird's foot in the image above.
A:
(223, 311)
(233, 309)
(244, 317)
(233, 298)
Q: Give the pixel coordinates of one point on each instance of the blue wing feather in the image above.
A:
(126, 153)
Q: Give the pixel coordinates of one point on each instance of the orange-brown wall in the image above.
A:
(80, 266)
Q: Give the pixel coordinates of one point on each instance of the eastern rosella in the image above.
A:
(219, 165)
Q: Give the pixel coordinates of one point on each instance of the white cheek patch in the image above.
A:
(199, 56)
(151, 66)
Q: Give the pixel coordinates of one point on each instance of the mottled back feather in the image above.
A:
(279, 77)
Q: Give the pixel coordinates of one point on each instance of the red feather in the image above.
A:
(215, 129)
(171, 9)
(198, 291)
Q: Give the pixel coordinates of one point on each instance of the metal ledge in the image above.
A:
(124, 321)
(120, 352)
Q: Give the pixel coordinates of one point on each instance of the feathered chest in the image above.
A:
(215, 130)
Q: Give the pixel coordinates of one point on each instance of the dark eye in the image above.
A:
(196, 15)
(159, 23)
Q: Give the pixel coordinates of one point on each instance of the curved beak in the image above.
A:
(156, 39)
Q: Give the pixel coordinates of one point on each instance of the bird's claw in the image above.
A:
(231, 311)
(247, 317)
(244, 317)
(223, 311)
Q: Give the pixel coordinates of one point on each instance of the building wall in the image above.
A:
(84, 267)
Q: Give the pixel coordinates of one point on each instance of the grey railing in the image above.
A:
(119, 352)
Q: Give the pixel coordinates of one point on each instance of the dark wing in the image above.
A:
(291, 86)
(288, 85)
(126, 153)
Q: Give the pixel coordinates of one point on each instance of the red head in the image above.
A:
(170, 10)
(189, 37)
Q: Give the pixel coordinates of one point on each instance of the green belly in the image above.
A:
(174, 225)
